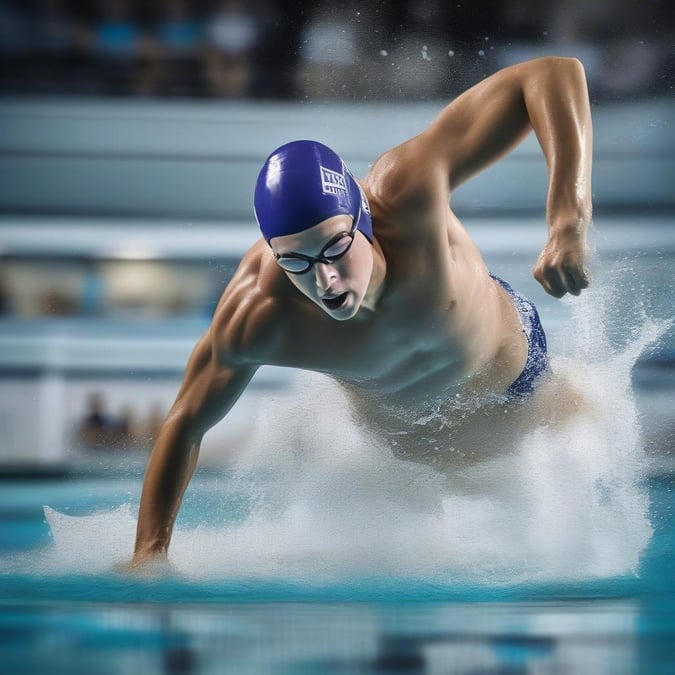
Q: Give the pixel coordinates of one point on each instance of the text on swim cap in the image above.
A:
(332, 182)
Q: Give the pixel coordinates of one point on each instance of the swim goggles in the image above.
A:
(336, 248)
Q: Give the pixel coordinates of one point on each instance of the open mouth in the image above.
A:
(336, 302)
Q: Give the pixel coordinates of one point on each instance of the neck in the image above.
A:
(377, 278)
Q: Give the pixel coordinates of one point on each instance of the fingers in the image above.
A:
(560, 266)
(577, 279)
(562, 279)
(552, 283)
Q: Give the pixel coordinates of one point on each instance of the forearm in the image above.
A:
(547, 95)
(172, 463)
(557, 103)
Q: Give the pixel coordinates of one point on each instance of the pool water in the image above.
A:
(53, 622)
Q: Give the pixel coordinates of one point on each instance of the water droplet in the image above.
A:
(383, 52)
(451, 52)
(481, 52)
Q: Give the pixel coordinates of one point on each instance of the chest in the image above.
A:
(414, 334)
(423, 330)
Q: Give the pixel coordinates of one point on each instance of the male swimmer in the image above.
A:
(378, 285)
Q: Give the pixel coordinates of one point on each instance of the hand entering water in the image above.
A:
(151, 565)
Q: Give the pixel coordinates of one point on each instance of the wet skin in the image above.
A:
(410, 318)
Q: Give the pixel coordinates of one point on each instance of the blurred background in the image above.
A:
(266, 49)
(131, 134)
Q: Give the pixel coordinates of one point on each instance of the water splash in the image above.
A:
(326, 502)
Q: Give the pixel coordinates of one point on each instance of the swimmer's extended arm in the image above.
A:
(210, 388)
(550, 96)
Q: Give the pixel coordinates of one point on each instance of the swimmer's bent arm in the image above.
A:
(550, 96)
(210, 388)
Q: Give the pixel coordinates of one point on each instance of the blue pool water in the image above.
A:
(70, 623)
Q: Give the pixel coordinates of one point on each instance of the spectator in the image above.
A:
(178, 40)
(616, 41)
(330, 53)
(442, 48)
(125, 429)
(57, 302)
(97, 429)
(119, 47)
(636, 58)
(101, 431)
(233, 33)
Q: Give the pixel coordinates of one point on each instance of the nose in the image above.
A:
(324, 274)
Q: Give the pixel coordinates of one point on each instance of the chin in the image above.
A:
(343, 317)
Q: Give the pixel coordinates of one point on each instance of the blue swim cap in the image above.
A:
(302, 183)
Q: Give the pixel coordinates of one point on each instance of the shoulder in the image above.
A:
(407, 183)
(247, 325)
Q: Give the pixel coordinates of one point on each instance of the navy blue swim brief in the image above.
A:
(537, 359)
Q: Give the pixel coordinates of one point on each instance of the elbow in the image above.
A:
(183, 427)
(567, 65)
(573, 65)
(559, 72)
(565, 73)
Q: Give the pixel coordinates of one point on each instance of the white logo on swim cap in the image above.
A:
(332, 182)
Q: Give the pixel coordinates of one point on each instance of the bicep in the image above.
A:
(481, 125)
(211, 386)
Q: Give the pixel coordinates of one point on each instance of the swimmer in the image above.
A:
(377, 284)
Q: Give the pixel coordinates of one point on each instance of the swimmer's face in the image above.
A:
(338, 287)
